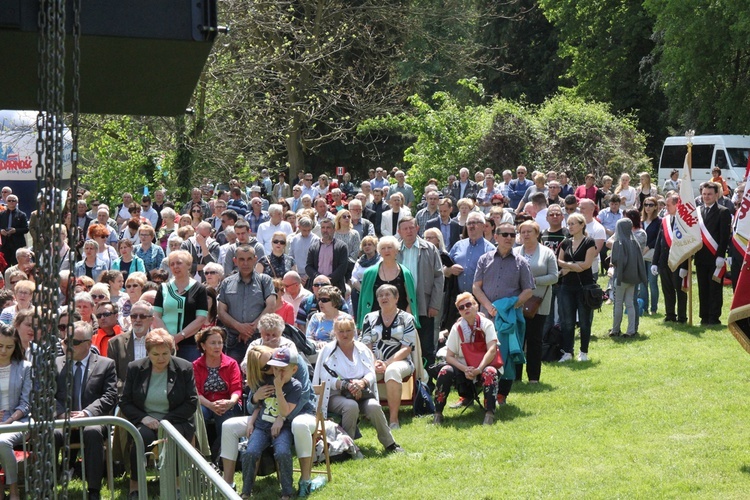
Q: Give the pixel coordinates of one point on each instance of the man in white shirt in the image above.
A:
(148, 212)
(594, 230)
(299, 244)
(131, 346)
(276, 224)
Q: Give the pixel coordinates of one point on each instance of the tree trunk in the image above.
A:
(295, 153)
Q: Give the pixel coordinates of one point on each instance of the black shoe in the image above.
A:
(394, 448)
(670, 319)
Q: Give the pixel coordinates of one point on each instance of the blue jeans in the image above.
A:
(259, 440)
(209, 416)
(652, 288)
(188, 352)
(570, 301)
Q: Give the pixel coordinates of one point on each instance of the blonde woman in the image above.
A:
(346, 233)
(626, 191)
(645, 190)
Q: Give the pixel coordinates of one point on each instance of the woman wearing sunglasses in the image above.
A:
(347, 234)
(277, 263)
(457, 371)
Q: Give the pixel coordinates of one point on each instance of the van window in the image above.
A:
(674, 156)
(738, 157)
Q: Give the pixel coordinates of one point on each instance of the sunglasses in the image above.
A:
(141, 316)
(98, 297)
(324, 300)
(279, 242)
(498, 204)
(319, 284)
(133, 285)
(210, 273)
(346, 216)
(649, 205)
(104, 315)
(463, 307)
(506, 235)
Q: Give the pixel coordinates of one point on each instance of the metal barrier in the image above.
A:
(83, 422)
(180, 460)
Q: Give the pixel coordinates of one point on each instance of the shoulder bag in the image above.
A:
(474, 351)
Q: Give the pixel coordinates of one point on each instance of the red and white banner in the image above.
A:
(739, 315)
(686, 235)
(741, 235)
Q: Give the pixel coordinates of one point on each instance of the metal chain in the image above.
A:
(47, 230)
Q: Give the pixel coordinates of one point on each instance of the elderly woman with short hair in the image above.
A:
(391, 335)
(214, 274)
(277, 263)
(320, 325)
(168, 226)
(24, 293)
(347, 366)
(158, 387)
(90, 265)
(151, 254)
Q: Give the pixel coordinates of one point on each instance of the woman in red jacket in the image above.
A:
(218, 380)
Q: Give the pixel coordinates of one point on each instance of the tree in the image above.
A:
(703, 62)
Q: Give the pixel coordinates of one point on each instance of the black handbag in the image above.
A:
(366, 393)
(593, 296)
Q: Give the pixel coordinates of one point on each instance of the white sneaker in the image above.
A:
(566, 357)
(582, 356)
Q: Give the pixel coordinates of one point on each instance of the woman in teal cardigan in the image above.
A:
(387, 272)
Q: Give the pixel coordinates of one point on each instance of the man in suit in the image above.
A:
(717, 222)
(464, 187)
(281, 189)
(378, 206)
(13, 226)
(295, 201)
(450, 228)
(671, 281)
(94, 389)
(329, 257)
(202, 248)
(423, 260)
(131, 346)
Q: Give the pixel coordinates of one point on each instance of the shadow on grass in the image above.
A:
(745, 469)
(527, 388)
(630, 340)
(578, 366)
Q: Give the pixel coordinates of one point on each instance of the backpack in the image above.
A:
(422, 404)
(552, 344)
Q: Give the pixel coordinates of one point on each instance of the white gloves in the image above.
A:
(683, 273)
(654, 270)
(729, 261)
(719, 261)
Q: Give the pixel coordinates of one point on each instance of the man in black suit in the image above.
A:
(329, 257)
(94, 389)
(13, 227)
(717, 221)
(445, 224)
(671, 281)
(131, 346)
(378, 206)
(464, 187)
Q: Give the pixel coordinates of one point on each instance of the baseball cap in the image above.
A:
(283, 356)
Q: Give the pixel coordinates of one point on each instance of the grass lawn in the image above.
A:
(661, 415)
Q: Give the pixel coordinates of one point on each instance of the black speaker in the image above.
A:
(138, 57)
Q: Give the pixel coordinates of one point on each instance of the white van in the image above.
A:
(730, 152)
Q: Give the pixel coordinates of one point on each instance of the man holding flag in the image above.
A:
(715, 225)
(672, 288)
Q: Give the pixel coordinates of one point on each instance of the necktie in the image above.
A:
(294, 205)
(77, 383)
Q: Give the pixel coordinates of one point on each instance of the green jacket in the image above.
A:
(367, 294)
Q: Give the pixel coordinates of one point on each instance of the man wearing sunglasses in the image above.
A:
(131, 346)
(94, 394)
(504, 274)
(106, 318)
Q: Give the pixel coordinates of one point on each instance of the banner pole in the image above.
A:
(689, 135)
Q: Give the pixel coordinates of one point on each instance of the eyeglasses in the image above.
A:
(141, 316)
(506, 235)
(133, 285)
(279, 242)
(474, 223)
(197, 211)
(324, 300)
(649, 205)
(104, 315)
(98, 296)
(210, 273)
(463, 307)
(77, 342)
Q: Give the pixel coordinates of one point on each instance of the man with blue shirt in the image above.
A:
(518, 186)
(466, 252)
(379, 181)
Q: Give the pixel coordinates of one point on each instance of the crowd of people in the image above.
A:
(186, 315)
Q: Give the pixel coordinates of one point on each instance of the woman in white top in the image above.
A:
(626, 191)
(457, 372)
(347, 367)
(15, 389)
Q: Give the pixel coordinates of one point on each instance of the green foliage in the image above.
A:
(703, 62)
(116, 157)
(563, 133)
